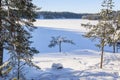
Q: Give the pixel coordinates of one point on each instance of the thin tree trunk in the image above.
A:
(18, 74)
(1, 43)
(101, 63)
(117, 49)
(102, 52)
(1, 57)
(60, 47)
(114, 47)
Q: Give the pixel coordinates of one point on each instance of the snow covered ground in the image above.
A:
(82, 66)
(80, 61)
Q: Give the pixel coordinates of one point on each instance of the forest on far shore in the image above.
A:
(68, 15)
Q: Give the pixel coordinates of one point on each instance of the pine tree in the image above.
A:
(115, 32)
(58, 41)
(102, 30)
(16, 17)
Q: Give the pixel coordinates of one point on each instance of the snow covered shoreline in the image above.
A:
(64, 24)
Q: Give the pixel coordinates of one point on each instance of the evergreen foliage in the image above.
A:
(114, 39)
(102, 31)
(16, 17)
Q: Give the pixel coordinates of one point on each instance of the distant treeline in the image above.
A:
(60, 15)
(68, 15)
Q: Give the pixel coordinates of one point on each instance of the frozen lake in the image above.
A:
(42, 37)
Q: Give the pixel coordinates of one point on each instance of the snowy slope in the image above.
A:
(76, 66)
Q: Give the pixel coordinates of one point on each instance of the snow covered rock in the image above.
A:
(57, 66)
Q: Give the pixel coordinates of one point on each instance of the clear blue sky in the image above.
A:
(78, 6)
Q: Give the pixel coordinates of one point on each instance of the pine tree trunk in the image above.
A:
(1, 44)
(60, 47)
(117, 49)
(114, 47)
(18, 74)
(1, 57)
(101, 63)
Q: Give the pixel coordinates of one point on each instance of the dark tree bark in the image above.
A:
(18, 74)
(1, 44)
(60, 47)
(101, 63)
(114, 47)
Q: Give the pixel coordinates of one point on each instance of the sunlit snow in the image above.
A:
(80, 61)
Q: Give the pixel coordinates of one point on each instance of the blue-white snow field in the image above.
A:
(42, 37)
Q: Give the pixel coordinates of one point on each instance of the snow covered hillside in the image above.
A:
(77, 62)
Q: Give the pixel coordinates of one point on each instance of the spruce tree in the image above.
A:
(114, 38)
(16, 17)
